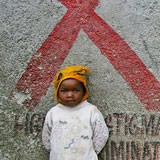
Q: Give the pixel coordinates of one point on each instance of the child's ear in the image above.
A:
(84, 89)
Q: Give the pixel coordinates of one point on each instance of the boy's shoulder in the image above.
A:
(54, 108)
(92, 106)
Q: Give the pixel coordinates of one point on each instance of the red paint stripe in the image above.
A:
(39, 74)
(125, 61)
(44, 65)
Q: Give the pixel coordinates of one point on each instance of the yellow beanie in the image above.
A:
(75, 72)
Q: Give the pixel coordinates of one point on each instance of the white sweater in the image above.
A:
(74, 133)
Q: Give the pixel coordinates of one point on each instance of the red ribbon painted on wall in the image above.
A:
(49, 57)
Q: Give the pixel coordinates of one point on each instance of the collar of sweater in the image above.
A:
(77, 107)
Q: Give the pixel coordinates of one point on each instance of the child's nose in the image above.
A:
(70, 94)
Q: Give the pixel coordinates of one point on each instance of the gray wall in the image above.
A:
(25, 24)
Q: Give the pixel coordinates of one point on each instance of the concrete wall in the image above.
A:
(120, 42)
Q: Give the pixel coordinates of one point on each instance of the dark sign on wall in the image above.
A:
(132, 136)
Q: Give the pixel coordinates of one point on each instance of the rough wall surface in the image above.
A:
(118, 39)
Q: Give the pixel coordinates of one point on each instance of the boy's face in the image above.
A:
(71, 92)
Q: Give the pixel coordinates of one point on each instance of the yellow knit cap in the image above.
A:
(75, 72)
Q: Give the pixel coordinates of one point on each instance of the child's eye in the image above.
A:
(76, 90)
(63, 90)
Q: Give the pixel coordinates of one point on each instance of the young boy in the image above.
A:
(74, 129)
